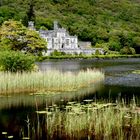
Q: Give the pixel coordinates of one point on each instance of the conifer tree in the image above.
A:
(30, 14)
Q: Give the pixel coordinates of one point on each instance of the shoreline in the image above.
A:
(88, 57)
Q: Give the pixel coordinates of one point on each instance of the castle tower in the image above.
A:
(31, 25)
(55, 25)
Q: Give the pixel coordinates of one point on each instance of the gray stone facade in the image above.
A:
(60, 40)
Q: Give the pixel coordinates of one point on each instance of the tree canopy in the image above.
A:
(15, 36)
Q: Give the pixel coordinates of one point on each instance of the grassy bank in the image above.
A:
(111, 56)
(94, 120)
(47, 81)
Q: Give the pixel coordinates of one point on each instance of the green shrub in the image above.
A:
(63, 53)
(113, 52)
(16, 61)
(98, 45)
(127, 50)
(97, 52)
(105, 49)
(81, 54)
(132, 50)
(75, 53)
(56, 53)
(114, 46)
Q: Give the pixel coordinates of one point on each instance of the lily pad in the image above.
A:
(10, 137)
(136, 71)
(25, 138)
(4, 133)
(44, 112)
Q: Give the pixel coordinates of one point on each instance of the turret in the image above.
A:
(55, 25)
(31, 25)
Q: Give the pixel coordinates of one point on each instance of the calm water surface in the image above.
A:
(119, 79)
(119, 82)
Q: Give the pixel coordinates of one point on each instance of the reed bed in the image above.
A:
(11, 83)
(90, 121)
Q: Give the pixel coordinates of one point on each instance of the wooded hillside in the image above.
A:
(112, 24)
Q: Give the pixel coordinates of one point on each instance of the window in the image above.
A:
(67, 41)
(48, 39)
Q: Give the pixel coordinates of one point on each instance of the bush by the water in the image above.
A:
(57, 53)
(16, 61)
(127, 50)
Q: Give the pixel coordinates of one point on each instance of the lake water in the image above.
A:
(119, 83)
(119, 79)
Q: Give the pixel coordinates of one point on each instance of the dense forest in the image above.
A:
(111, 24)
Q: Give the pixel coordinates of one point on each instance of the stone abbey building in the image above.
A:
(60, 40)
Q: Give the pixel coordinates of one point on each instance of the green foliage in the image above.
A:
(6, 13)
(11, 32)
(136, 41)
(98, 45)
(127, 50)
(105, 48)
(81, 54)
(97, 52)
(132, 50)
(16, 61)
(44, 22)
(101, 45)
(34, 43)
(114, 46)
(113, 53)
(57, 53)
(99, 21)
(18, 37)
(31, 12)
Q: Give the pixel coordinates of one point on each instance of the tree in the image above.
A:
(6, 13)
(114, 45)
(18, 37)
(34, 43)
(30, 13)
(136, 41)
(127, 50)
(13, 33)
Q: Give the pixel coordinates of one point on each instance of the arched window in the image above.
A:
(62, 45)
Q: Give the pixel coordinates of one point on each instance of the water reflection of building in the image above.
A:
(60, 40)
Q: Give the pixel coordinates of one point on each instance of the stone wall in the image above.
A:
(76, 51)
(84, 44)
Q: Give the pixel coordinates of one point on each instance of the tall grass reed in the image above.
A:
(99, 121)
(11, 83)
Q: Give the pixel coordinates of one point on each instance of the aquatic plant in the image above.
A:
(136, 72)
(91, 121)
(48, 81)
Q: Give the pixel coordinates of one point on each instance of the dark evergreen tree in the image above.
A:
(30, 14)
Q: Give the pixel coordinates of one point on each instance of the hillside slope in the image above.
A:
(106, 23)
